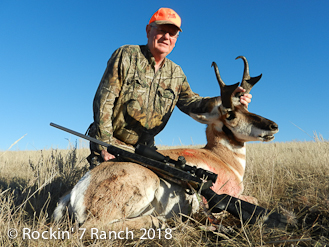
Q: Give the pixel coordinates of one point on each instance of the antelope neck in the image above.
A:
(231, 137)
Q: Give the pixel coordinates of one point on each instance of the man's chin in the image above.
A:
(163, 49)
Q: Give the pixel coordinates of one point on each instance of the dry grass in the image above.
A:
(288, 177)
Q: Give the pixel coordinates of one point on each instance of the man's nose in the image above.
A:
(167, 35)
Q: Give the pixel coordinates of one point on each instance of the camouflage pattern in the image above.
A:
(133, 103)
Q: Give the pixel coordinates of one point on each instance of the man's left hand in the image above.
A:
(244, 99)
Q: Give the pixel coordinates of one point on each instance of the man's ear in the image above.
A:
(148, 29)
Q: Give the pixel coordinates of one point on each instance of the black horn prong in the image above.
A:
(227, 94)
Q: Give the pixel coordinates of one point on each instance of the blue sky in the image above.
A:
(53, 55)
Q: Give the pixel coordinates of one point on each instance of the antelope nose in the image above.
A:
(274, 126)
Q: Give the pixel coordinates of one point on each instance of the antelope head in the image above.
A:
(233, 118)
(237, 120)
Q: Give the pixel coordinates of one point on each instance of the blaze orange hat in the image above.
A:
(166, 16)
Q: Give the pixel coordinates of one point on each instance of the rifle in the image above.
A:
(190, 176)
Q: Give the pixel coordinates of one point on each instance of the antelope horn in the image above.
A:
(247, 82)
(219, 79)
(225, 91)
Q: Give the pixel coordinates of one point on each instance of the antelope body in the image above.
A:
(118, 194)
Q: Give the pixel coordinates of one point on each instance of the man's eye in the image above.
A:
(164, 32)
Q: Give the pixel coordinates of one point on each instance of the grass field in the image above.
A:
(291, 178)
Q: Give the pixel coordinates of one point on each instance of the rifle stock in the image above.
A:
(181, 173)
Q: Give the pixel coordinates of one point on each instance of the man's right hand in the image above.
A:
(106, 155)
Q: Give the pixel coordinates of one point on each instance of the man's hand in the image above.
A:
(106, 155)
(244, 99)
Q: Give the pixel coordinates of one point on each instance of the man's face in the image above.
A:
(161, 38)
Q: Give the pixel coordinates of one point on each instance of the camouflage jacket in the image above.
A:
(133, 103)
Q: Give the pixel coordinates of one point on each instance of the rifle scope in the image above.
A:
(180, 163)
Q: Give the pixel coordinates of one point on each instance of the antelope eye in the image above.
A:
(230, 115)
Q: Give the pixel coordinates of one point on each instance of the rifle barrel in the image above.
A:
(79, 134)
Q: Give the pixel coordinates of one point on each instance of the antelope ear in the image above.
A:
(207, 117)
(201, 118)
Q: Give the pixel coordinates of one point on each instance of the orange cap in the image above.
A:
(166, 16)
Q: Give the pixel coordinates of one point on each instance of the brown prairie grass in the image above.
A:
(291, 178)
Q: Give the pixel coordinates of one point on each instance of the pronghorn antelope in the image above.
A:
(118, 194)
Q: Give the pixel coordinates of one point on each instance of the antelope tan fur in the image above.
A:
(115, 195)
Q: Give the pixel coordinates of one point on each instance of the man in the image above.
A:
(140, 88)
